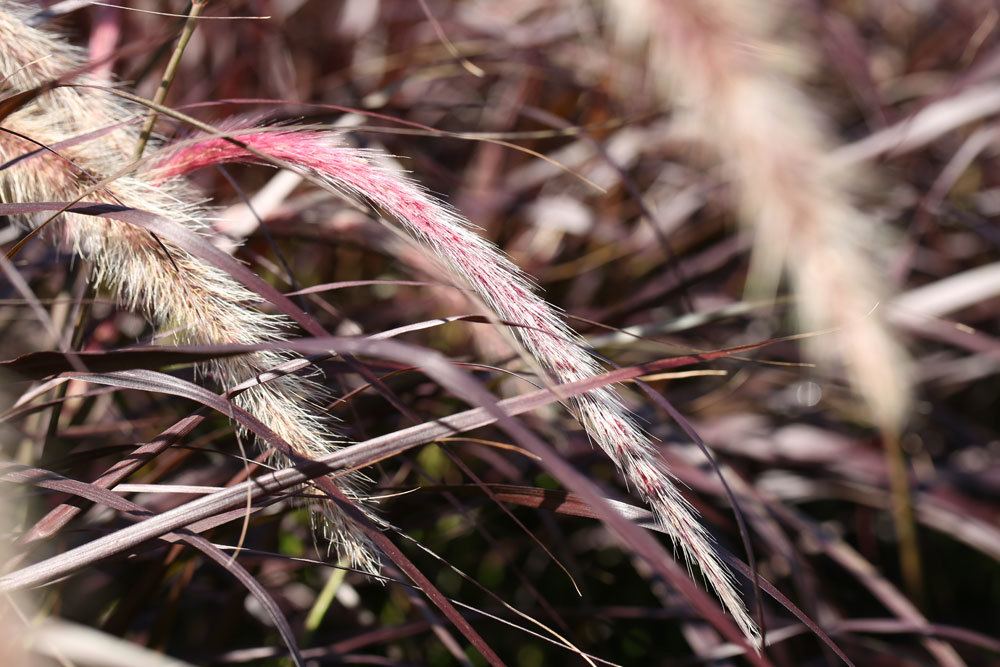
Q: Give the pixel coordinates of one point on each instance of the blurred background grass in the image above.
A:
(543, 136)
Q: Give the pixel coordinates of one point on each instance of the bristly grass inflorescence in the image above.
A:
(718, 62)
(197, 302)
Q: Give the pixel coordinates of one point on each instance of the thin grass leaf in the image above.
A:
(49, 480)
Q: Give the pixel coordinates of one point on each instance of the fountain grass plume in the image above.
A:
(177, 291)
(722, 66)
(510, 295)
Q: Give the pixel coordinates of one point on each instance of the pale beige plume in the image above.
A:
(720, 63)
(177, 291)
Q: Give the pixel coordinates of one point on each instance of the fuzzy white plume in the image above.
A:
(719, 63)
(178, 292)
(509, 294)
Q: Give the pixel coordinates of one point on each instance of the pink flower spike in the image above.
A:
(508, 293)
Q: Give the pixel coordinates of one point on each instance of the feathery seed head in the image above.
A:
(505, 290)
(715, 59)
(201, 303)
